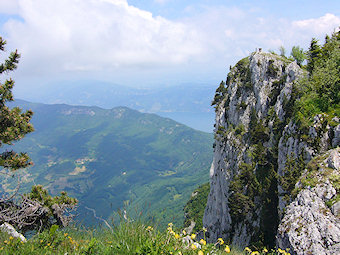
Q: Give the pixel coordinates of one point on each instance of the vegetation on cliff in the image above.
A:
(260, 107)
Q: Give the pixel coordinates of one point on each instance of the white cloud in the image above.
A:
(318, 26)
(9, 6)
(101, 35)
(112, 38)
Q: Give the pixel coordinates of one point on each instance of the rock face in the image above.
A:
(9, 229)
(309, 226)
(256, 149)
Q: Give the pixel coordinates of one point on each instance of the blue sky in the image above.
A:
(153, 42)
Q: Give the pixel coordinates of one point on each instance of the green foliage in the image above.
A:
(14, 124)
(321, 90)
(282, 51)
(40, 194)
(298, 54)
(244, 187)
(194, 208)
(292, 172)
(220, 93)
(272, 70)
(314, 52)
(128, 238)
(257, 130)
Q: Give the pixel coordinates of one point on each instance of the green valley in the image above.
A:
(110, 159)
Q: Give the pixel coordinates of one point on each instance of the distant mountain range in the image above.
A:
(111, 158)
(188, 103)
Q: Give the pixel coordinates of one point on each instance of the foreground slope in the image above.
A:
(111, 158)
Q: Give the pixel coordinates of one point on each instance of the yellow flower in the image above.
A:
(11, 238)
(177, 236)
(149, 228)
(227, 249)
(280, 251)
(184, 233)
(220, 240)
(170, 225)
(65, 234)
(265, 250)
(255, 253)
(247, 249)
(200, 253)
(193, 246)
(204, 229)
(48, 244)
(41, 241)
(203, 242)
(193, 236)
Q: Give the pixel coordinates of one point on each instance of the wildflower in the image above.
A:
(281, 251)
(170, 225)
(247, 249)
(49, 244)
(6, 241)
(204, 229)
(255, 253)
(184, 233)
(227, 249)
(265, 250)
(220, 240)
(65, 234)
(177, 236)
(149, 228)
(193, 236)
(200, 253)
(193, 246)
(11, 238)
(203, 242)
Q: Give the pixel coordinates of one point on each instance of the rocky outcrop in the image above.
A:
(310, 224)
(258, 149)
(294, 146)
(9, 229)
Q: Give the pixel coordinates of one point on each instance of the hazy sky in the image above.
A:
(153, 42)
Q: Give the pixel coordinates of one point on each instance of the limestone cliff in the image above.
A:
(311, 223)
(257, 149)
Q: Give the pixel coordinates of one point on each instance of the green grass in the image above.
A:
(129, 237)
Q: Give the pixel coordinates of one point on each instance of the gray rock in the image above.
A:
(9, 229)
(232, 149)
(308, 225)
(265, 90)
(336, 209)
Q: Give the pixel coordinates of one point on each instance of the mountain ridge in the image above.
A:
(117, 156)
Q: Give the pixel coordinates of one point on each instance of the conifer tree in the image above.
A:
(313, 53)
(14, 124)
(37, 209)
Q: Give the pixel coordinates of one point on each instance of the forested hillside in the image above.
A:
(110, 159)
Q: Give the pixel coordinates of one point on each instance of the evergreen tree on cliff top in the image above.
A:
(14, 124)
(37, 209)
